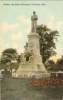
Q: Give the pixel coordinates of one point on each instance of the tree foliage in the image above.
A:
(9, 60)
(59, 64)
(47, 41)
(50, 65)
(54, 66)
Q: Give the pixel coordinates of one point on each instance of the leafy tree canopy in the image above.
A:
(9, 60)
(47, 41)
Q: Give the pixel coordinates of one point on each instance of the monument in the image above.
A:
(31, 61)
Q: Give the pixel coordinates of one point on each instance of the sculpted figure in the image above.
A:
(34, 19)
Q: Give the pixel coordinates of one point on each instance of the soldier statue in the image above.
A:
(34, 19)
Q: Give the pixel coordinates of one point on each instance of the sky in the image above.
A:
(15, 22)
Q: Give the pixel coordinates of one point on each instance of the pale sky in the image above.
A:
(15, 22)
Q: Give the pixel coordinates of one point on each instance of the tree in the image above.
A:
(59, 64)
(54, 66)
(47, 41)
(50, 65)
(9, 60)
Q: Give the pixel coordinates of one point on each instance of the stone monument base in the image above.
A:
(30, 70)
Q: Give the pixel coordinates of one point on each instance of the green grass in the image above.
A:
(20, 89)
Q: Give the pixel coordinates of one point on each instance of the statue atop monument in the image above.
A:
(34, 19)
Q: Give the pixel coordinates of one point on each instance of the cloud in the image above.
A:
(2, 44)
(59, 49)
(57, 24)
(18, 41)
(25, 21)
(54, 23)
(17, 37)
(6, 27)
